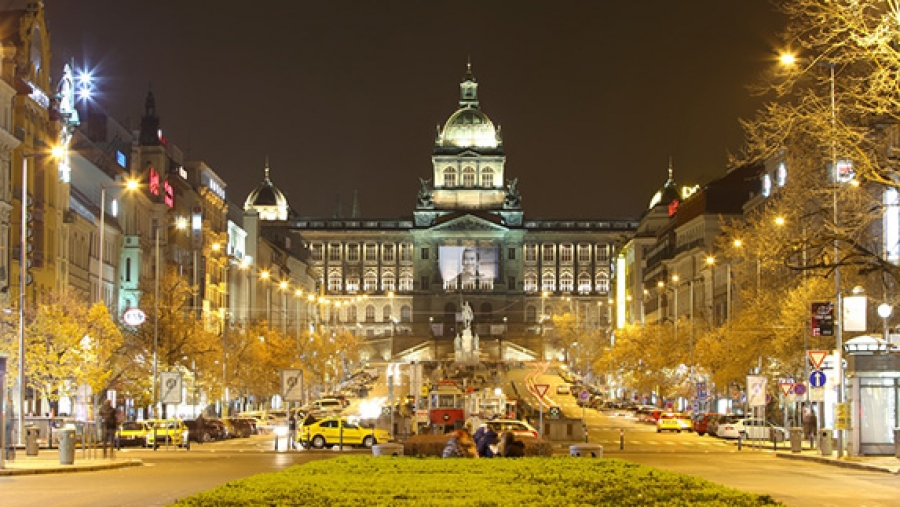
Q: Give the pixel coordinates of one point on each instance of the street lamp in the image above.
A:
(884, 311)
(127, 185)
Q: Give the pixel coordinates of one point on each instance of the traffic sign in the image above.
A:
(799, 388)
(554, 413)
(583, 396)
(786, 387)
(541, 389)
(817, 378)
(817, 357)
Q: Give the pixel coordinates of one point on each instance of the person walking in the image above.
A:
(810, 426)
(109, 422)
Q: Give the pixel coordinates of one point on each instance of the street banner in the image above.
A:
(170, 387)
(292, 385)
(822, 319)
(756, 391)
(854, 313)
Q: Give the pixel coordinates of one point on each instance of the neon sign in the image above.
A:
(154, 182)
(170, 194)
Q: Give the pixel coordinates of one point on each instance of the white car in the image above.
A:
(518, 428)
(751, 429)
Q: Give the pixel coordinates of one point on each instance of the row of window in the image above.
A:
(566, 252)
(567, 282)
(351, 252)
(337, 283)
(468, 177)
(349, 313)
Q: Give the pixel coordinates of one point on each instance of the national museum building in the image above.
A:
(402, 282)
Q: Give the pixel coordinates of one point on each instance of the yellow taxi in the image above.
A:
(167, 432)
(335, 430)
(133, 433)
(669, 421)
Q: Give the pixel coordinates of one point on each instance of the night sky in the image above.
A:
(593, 97)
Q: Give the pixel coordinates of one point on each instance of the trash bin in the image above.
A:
(31, 440)
(796, 439)
(825, 442)
(387, 449)
(67, 446)
(586, 451)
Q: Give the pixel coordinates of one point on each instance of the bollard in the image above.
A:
(621, 439)
(276, 441)
(739, 442)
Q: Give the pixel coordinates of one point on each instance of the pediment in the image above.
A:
(460, 221)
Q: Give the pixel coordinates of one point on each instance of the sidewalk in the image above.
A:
(47, 462)
(889, 464)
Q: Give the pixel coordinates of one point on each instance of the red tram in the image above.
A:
(446, 407)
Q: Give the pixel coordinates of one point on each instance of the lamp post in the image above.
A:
(156, 323)
(264, 275)
(884, 311)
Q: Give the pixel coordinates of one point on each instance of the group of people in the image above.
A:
(484, 444)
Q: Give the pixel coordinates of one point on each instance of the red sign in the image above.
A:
(541, 389)
(153, 182)
(817, 357)
(786, 387)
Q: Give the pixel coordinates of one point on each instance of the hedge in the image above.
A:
(354, 481)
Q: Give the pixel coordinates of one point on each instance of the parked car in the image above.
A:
(334, 430)
(648, 415)
(216, 428)
(752, 429)
(712, 427)
(167, 432)
(670, 421)
(700, 422)
(242, 426)
(133, 433)
(519, 428)
(325, 406)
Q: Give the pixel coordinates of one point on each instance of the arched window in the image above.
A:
(387, 281)
(351, 314)
(468, 177)
(602, 282)
(565, 282)
(548, 281)
(370, 282)
(406, 281)
(387, 313)
(449, 178)
(531, 282)
(530, 314)
(334, 281)
(406, 313)
(487, 178)
(353, 283)
(584, 283)
(370, 313)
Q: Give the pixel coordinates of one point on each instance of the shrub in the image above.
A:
(353, 481)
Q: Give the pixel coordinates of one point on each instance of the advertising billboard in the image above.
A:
(467, 266)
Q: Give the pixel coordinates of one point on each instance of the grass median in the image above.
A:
(408, 481)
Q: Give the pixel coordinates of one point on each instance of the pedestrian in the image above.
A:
(486, 444)
(509, 446)
(460, 445)
(810, 426)
(292, 430)
(109, 421)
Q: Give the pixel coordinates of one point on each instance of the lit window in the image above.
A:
(487, 178)
(370, 282)
(334, 252)
(547, 253)
(387, 252)
(602, 282)
(530, 253)
(316, 251)
(565, 253)
(370, 313)
(353, 253)
(353, 283)
(371, 252)
(548, 282)
(405, 252)
(602, 253)
(584, 283)
(468, 177)
(584, 253)
(406, 282)
(531, 282)
(449, 178)
(565, 282)
(387, 281)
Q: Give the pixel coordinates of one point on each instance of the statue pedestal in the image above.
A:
(466, 348)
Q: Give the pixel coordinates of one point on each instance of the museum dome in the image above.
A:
(468, 126)
(267, 200)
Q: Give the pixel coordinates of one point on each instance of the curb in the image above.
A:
(839, 463)
(66, 469)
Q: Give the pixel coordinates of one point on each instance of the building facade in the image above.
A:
(402, 282)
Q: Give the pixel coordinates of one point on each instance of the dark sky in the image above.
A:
(593, 96)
